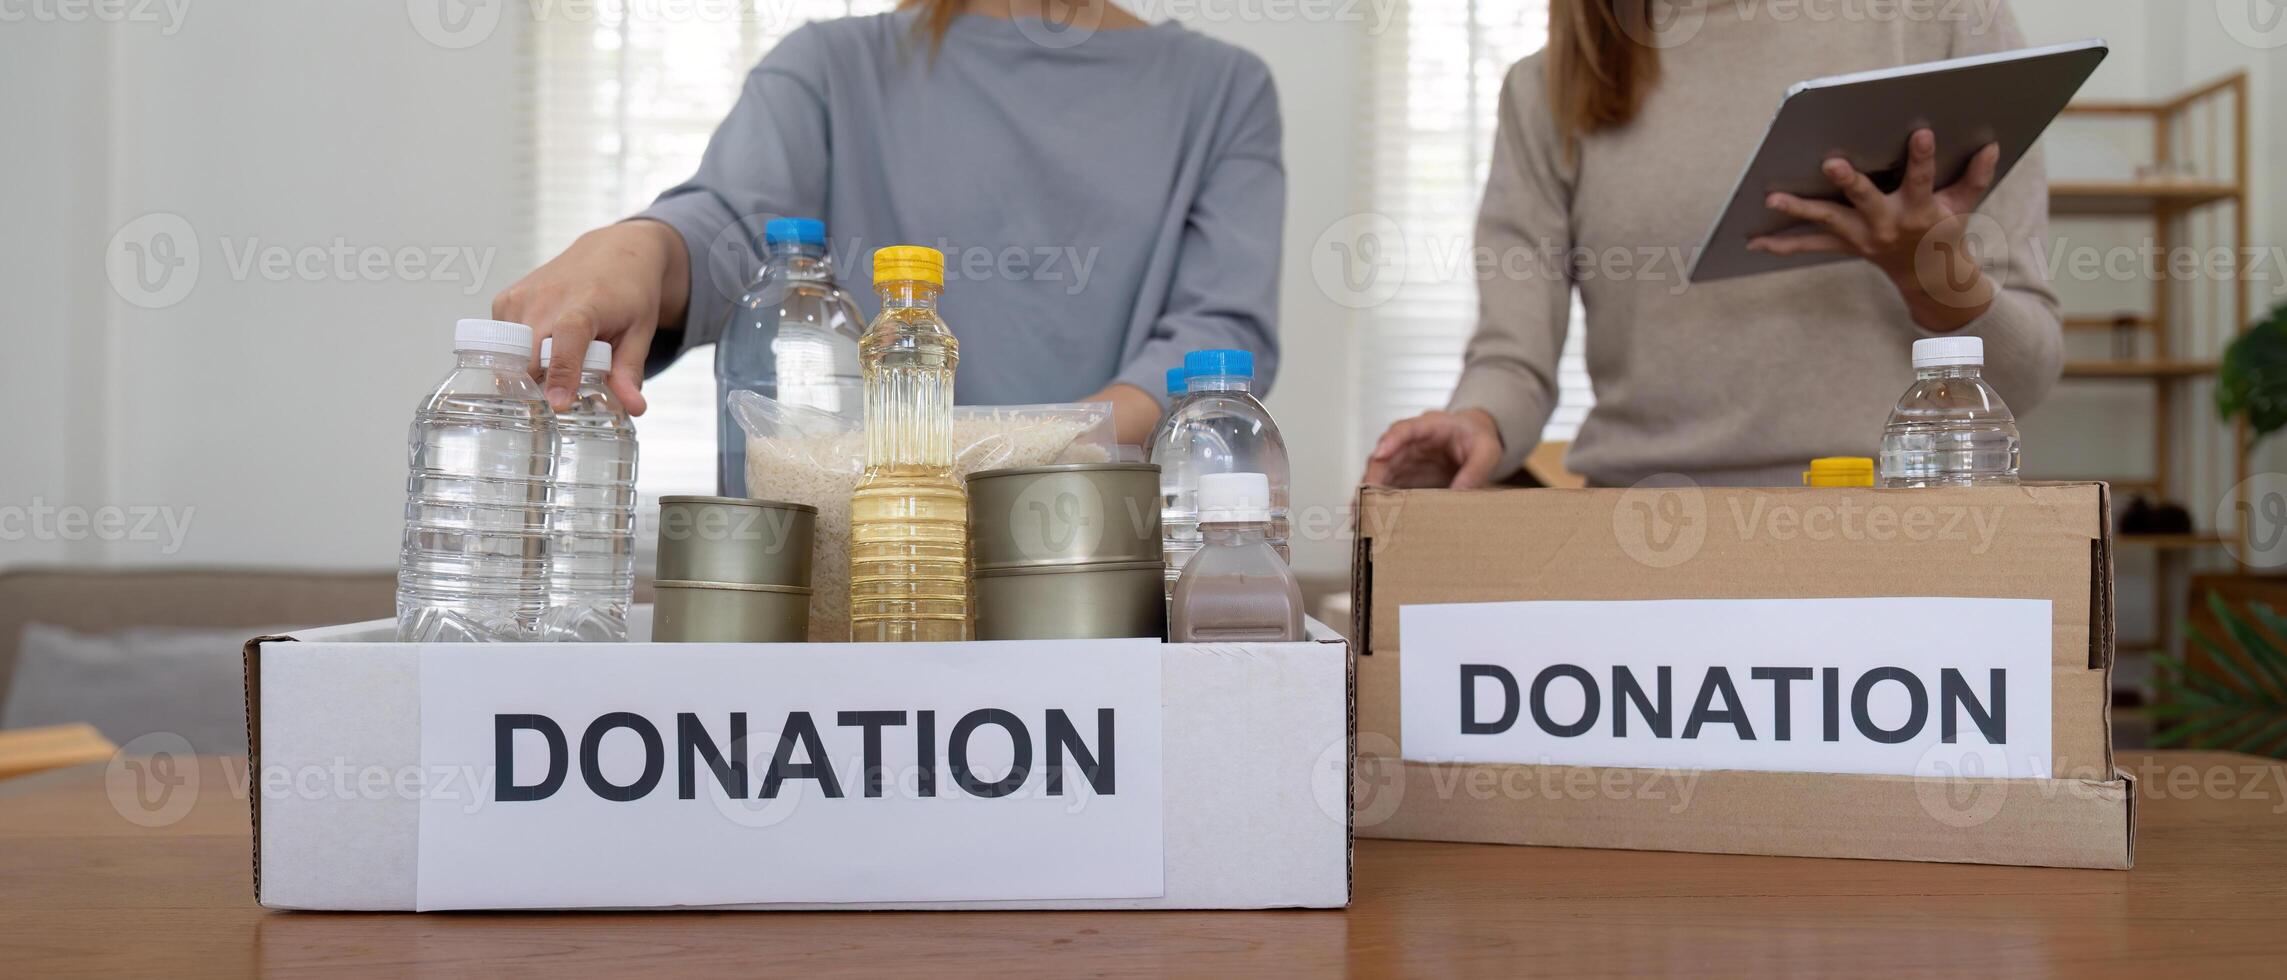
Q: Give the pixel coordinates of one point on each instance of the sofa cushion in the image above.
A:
(134, 682)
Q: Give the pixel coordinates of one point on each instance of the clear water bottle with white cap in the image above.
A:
(1218, 427)
(1951, 429)
(792, 337)
(1236, 588)
(474, 564)
(591, 550)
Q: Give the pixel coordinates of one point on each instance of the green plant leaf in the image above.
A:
(2176, 675)
(2237, 700)
(2265, 739)
(2251, 644)
(2271, 660)
(2184, 700)
(2189, 733)
(2252, 378)
(2222, 731)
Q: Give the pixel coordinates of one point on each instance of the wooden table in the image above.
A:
(84, 891)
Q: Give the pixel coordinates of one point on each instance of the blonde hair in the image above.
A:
(1598, 70)
(936, 17)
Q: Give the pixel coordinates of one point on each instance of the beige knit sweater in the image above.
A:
(1737, 382)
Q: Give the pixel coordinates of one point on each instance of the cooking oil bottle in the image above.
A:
(909, 519)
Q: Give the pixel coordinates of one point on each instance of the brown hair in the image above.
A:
(936, 17)
(1598, 70)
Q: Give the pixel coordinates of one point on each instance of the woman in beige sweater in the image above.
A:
(1625, 136)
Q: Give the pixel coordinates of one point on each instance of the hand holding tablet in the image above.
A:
(1917, 234)
(1913, 150)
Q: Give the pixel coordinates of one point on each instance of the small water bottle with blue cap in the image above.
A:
(792, 337)
(1178, 386)
(1217, 427)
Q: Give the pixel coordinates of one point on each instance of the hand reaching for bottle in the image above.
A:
(1437, 449)
(617, 284)
(1917, 235)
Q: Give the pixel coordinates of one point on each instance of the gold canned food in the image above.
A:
(735, 541)
(711, 612)
(1103, 600)
(1070, 514)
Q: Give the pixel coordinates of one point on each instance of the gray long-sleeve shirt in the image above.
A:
(1104, 206)
(1742, 381)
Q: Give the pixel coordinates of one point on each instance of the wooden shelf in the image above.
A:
(2140, 369)
(2137, 321)
(2101, 198)
(2192, 194)
(2158, 107)
(2169, 542)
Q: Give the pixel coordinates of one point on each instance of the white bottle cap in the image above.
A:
(1234, 498)
(1948, 352)
(493, 336)
(598, 357)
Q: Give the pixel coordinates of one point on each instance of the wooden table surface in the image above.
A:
(82, 890)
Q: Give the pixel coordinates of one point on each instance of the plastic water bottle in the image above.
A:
(1218, 428)
(1178, 385)
(1236, 588)
(591, 551)
(1951, 429)
(474, 564)
(792, 337)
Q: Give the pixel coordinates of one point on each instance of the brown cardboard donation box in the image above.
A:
(1914, 675)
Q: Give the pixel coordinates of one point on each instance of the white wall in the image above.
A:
(264, 410)
(278, 408)
(1317, 65)
(55, 172)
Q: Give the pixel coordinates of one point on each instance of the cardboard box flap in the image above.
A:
(2066, 823)
(1486, 546)
(2103, 635)
(249, 657)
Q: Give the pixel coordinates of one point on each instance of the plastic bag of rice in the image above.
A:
(806, 456)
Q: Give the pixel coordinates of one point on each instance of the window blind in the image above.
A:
(1434, 85)
(626, 95)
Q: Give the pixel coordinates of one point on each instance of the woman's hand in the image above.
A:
(1135, 413)
(1917, 236)
(1437, 449)
(616, 284)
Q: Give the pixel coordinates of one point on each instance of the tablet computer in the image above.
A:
(1866, 118)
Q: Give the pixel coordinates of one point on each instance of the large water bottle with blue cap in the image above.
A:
(792, 337)
(1218, 426)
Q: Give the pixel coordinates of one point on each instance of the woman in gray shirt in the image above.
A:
(1108, 193)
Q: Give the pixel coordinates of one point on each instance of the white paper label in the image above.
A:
(1900, 686)
(871, 773)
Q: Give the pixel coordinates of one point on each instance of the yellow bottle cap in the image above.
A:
(920, 263)
(1840, 471)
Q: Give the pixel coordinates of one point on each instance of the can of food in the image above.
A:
(1101, 600)
(714, 612)
(735, 541)
(1070, 514)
